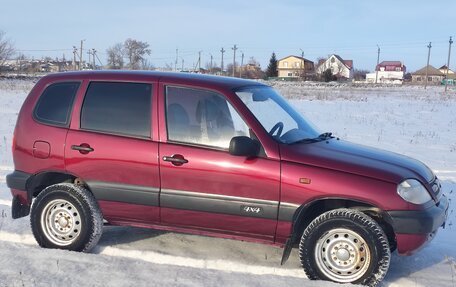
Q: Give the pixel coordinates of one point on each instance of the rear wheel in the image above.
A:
(66, 216)
(345, 246)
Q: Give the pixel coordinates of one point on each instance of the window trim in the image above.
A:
(152, 94)
(67, 123)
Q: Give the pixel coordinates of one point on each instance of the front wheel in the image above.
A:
(66, 216)
(345, 246)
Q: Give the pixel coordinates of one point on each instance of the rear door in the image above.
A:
(203, 186)
(110, 146)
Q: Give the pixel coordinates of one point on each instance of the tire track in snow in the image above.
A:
(164, 259)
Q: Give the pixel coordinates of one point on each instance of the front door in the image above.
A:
(202, 185)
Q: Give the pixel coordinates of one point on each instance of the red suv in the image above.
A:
(216, 156)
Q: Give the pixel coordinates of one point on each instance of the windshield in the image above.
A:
(276, 116)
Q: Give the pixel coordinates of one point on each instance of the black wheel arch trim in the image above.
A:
(30, 182)
(18, 180)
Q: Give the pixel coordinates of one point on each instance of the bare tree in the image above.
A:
(252, 70)
(20, 61)
(7, 49)
(147, 65)
(360, 75)
(136, 51)
(116, 56)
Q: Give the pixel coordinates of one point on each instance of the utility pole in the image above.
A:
(222, 51)
(376, 67)
(182, 65)
(199, 61)
(94, 53)
(175, 63)
(448, 64)
(75, 51)
(242, 64)
(80, 55)
(303, 72)
(89, 53)
(210, 70)
(427, 66)
(234, 58)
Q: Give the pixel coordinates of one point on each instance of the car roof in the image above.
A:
(170, 77)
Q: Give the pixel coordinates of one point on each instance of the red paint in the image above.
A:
(22, 195)
(408, 244)
(119, 211)
(220, 223)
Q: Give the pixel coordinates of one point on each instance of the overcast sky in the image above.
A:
(351, 29)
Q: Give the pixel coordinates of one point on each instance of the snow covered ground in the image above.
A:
(408, 120)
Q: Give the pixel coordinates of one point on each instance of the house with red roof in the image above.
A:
(342, 69)
(388, 72)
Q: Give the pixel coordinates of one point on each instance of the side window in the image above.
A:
(201, 117)
(55, 104)
(118, 108)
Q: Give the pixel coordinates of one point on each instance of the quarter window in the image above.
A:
(201, 117)
(55, 104)
(119, 108)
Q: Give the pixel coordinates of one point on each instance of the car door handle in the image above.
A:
(82, 148)
(175, 159)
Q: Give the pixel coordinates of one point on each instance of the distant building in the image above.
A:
(390, 72)
(444, 69)
(435, 76)
(342, 69)
(39, 66)
(451, 75)
(295, 67)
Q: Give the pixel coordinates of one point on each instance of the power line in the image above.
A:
(43, 50)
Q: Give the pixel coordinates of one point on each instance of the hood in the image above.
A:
(357, 159)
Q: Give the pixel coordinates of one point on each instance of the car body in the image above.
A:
(206, 155)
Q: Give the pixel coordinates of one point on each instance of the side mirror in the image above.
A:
(244, 146)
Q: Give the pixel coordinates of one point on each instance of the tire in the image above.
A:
(345, 246)
(66, 216)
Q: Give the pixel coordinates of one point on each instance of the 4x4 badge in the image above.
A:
(251, 209)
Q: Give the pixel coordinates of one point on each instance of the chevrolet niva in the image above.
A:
(214, 156)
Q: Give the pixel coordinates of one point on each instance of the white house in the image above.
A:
(389, 72)
(342, 69)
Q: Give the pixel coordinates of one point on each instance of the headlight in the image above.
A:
(413, 191)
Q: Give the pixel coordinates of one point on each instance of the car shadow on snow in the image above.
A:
(119, 235)
(194, 246)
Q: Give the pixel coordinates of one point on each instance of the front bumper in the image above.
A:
(414, 229)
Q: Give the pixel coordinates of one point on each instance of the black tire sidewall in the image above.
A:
(357, 226)
(70, 195)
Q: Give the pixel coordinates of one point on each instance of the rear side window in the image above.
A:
(54, 105)
(118, 108)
